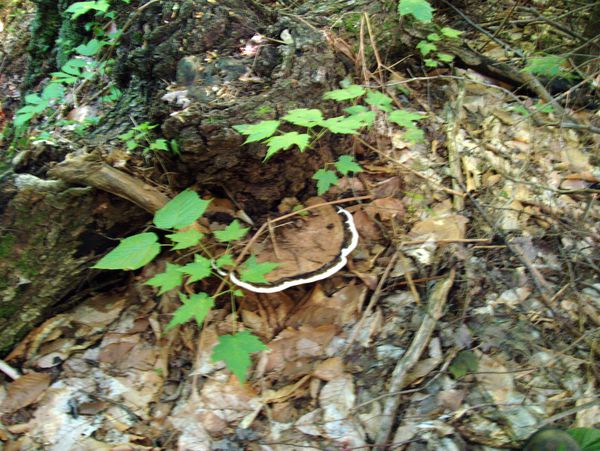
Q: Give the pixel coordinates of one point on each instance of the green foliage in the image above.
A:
(304, 117)
(414, 135)
(131, 253)
(428, 46)
(199, 269)
(225, 260)
(346, 164)
(259, 131)
(171, 278)
(421, 10)
(36, 104)
(74, 70)
(234, 231)
(188, 238)
(405, 118)
(548, 66)
(91, 47)
(285, 141)
(357, 119)
(195, 307)
(79, 8)
(348, 93)
(379, 100)
(141, 136)
(465, 362)
(450, 32)
(587, 438)
(325, 180)
(136, 251)
(181, 211)
(235, 351)
(254, 272)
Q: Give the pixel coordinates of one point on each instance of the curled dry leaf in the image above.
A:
(329, 369)
(385, 209)
(366, 227)
(450, 227)
(303, 245)
(293, 345)
(319, 309)
(25, 391)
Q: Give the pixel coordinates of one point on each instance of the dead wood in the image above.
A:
(90, 170)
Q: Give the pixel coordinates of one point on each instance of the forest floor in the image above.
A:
(466, 318)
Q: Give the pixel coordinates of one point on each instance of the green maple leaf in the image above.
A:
(426, 47)
(185, 239)
(549, 66)
(348, 125)
(304, 117)
(79, 8)
(131, 253)
(346, 164)
(325, 180)
(348, 93)
(286, 141)
(254, 272)
(430, 62)
(257, 132)
(450, 32)
(587, 438)
(414, 135)
(434, 37)
(52, 91)
(171, 278)
(364, 118)
(235, 351)
(199, 269)
(195, 307)
(405, 118)
(181, 211)
(356, 109)
(379, 100)
(464, 362)
(234, 231)
(225, 260)
(445, 57)
(91, 48)
(419, 9)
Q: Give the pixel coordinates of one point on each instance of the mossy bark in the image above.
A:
(49, 235)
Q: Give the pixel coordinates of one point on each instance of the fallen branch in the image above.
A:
(435, 307)
(90, 170)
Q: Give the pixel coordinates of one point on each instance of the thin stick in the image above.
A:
(435, 307)
(374, 298)
(464, 240)
(453, 118)
(9, 370)
(407, 168)
(409, 279)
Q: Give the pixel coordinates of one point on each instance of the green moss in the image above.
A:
(351, 22)
(53, 37)
(264, 110)
(44, 31)
(6, 244)
(7, 310)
